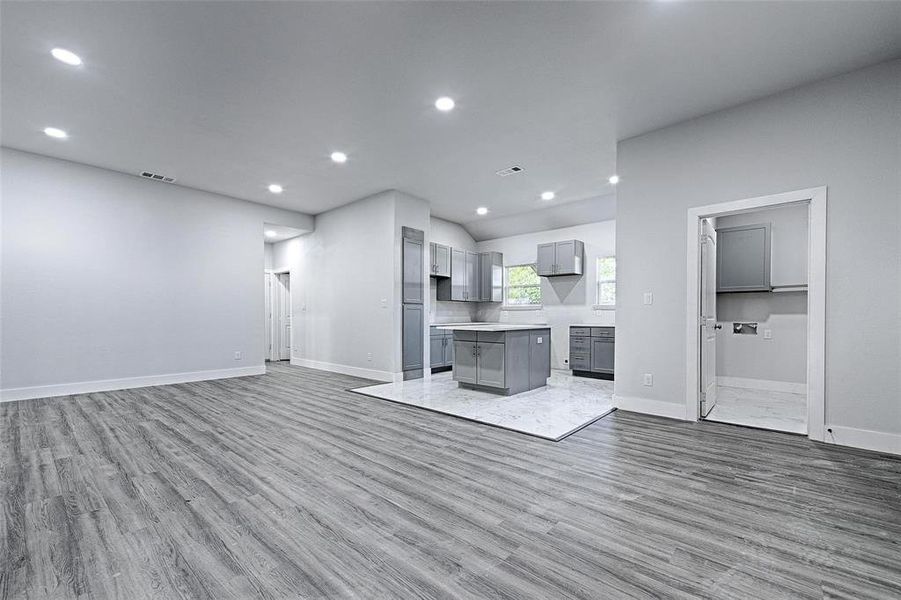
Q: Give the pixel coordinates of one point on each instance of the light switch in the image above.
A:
(648, 298)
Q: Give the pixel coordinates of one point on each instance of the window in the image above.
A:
(523, 286)
(607, 281)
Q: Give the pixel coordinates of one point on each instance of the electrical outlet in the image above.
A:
(648, 380)
(239, 355)
(767, 334)
(384, 303)
(649, 298)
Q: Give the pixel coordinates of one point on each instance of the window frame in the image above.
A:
(597, 286)
(505, 305)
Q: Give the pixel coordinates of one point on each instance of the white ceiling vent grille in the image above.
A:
(509, 171)
(157, 177)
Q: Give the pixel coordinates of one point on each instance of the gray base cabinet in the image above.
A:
(441, 349)
(591, 351)
(508, 362)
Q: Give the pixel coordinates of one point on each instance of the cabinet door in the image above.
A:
(436, 351)
(472, 277)
(547, 259)
(743, 258)
(412, 273)
(465, 362)
(449, 351)
(442, 261)
(458, 274)
(602, 355)
(412, 336)
(569, 258)
(491, 357)
(433, 261)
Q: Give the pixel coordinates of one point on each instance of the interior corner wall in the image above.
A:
(844, 133)
(111, 281)
(343, 289)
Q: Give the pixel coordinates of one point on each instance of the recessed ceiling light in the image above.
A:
(66, 56)
(276, 188)
(55, 133)
(548, 195)
(444, 104)
(614, 179)
(481, 210)
(339, 157)
(269, 233)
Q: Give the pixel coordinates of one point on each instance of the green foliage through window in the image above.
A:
(607, 281)
(523, 286)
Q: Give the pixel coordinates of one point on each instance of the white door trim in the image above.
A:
(816, 298)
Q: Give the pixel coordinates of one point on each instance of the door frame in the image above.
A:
(816, 298)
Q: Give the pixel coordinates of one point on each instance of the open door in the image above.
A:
(282, 305)
(707, 319)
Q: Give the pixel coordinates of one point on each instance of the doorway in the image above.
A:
(278, 326)
(755, 324)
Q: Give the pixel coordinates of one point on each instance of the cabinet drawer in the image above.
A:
(602, 331)
(585, 331)
(580, 361)
(579, 344)
(465, 336)
(492, 336)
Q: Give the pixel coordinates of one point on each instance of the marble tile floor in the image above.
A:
(553, 412)
(764, 409)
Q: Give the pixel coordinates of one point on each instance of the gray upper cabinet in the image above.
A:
(560, 258)
(491, 277)
(440, 264)
(473, 277)
(412, 276)
(743, 258)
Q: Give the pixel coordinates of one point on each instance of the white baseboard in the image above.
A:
(672, 410)
(106, 385)
(879, 441)
(348, 370)
(762, 384)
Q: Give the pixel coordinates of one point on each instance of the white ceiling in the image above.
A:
(229, 97)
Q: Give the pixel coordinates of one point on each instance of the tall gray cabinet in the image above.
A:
(412, 307)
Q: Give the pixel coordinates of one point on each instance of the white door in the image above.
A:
(268, 304)
(708, 318)
(282, 306)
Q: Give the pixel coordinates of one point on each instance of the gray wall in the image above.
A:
(343, 288)
(109, 276)
(843, 133)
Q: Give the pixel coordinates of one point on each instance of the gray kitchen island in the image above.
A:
(501, 358)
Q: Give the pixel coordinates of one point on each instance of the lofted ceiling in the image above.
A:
(232, 96)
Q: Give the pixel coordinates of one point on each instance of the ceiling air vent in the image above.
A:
(509, 171)
(157, 177)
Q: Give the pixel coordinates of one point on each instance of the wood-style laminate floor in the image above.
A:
(287, 486)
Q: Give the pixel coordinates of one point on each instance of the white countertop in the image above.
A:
(590, 325)
(491, 327)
